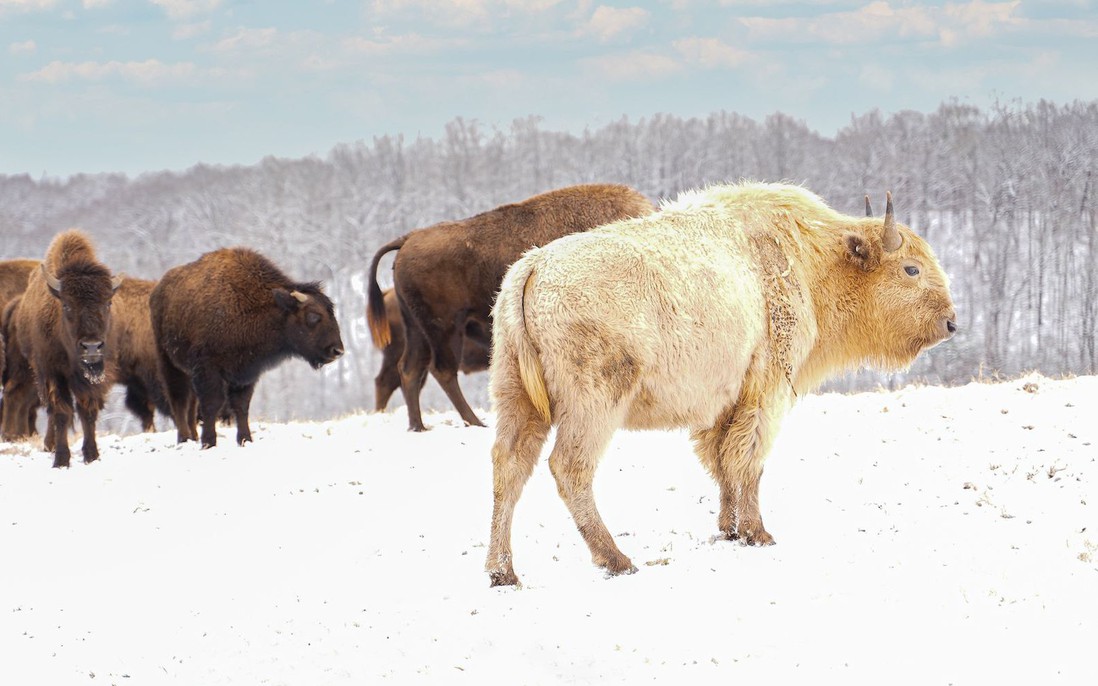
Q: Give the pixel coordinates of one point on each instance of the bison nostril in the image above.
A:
(92, 347)
(336, 351)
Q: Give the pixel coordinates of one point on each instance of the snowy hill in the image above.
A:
(927, 535)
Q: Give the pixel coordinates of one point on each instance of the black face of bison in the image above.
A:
(85, 297)
(311, 326)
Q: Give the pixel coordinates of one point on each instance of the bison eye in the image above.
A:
(911, 271)
(311, 319)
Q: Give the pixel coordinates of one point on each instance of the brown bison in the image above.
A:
(446, 277)
(20, 403)
(63, 323)
(134, 359)
(473, 355)
(13, 281)
(713, 314)
(221, 321)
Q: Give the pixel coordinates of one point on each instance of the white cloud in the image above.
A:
(247, 39)
(148, 72)
(411, 43)
(184, 9)
(607, 22)
(463, 12)
(26, 5)
(711, 53)
(879, 22)
(23, 48)
(877, 78)
(636, 65)
(185, 31)
(93, 4)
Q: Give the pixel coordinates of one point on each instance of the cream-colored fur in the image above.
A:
(712, 314)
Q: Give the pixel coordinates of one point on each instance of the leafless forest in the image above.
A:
(1006, 196)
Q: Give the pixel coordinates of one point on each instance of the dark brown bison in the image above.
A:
(13, 281)
(134, 359)
(713, 315)
(473, 355)
(20, 407)
(13, 277)
(221, 321)
(447, 275)
(64, 324)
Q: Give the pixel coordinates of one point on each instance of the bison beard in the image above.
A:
(220, 322)
(713, 314)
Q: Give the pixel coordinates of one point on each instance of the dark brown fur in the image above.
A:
(447, 275)
(13, 281)
(473, 354)
(220, 322)
(134, 357)
(20, 406)
(65, 332)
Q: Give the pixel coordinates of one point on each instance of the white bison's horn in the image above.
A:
(868, 207)
(301, 297)
(891, 236)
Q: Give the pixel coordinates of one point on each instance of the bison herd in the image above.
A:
(598, 312)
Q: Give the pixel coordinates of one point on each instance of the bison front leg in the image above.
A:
(59, 412)
(240, 399)
(210, 390)
(743, 449)
(88, 409)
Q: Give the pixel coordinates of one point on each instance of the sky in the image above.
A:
(132, 86)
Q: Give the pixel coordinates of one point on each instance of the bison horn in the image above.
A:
(891, 236)
(301, 297)
(116, 281)
(868, 207)
(52, 281)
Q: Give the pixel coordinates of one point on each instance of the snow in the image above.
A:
(927, 535)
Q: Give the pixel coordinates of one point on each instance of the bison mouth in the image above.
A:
(93, 369)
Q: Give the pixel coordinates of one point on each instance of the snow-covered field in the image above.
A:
(926, 536)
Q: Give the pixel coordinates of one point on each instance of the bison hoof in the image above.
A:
(758, 538)
(241, 440)
(59, 462)
(88, 459)
(504, 578)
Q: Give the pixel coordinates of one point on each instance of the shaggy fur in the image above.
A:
(473, 355)
(20, 407)
(220, 322)
(446, 277)
(134, 360)
(712, 314)
(63, 324)
(13, 281)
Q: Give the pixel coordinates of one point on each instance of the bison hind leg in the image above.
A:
(582, 437)
(520, 436)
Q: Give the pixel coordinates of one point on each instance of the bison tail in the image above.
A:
(376, 318)
(529, 364)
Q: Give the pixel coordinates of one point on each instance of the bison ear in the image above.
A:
(286, 302)
(862, 252)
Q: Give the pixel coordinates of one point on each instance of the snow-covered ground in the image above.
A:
(926, 536)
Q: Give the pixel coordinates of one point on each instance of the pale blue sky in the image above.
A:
(145, 85)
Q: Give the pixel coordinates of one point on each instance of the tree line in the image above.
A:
(1005, 195)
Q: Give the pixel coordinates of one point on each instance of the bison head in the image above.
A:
(84, 291)
(311, 327)
(904, 294)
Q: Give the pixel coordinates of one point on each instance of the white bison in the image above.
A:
(712, 314)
